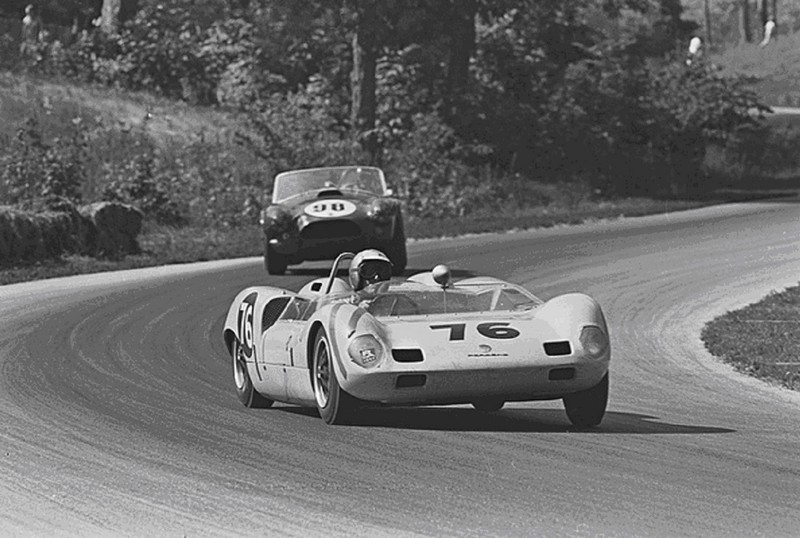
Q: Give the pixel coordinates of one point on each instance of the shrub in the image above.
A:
(34, 170)
(142, 182)
(298, 130)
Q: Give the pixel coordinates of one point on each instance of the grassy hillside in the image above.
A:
(776, 68)
(200, 142)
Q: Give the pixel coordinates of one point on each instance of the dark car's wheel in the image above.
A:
(244, 385)
(274, 263)
(396, 250)
(335, 405)
(488, 404)
(587, 408)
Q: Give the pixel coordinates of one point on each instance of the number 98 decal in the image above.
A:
(497, 330)
(330, 208)
(245, 324)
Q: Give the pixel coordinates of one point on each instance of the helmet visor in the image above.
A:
(375, 271)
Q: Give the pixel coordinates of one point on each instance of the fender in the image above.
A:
(561, 313)
(243, 321)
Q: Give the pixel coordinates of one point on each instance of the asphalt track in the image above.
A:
(119, 417)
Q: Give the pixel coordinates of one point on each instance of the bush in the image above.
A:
(298, 130)
(34, 170)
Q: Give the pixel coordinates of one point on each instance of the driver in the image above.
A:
(369, 267)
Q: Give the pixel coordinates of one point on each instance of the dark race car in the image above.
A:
(318, 213)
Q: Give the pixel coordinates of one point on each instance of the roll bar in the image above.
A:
(344, 256)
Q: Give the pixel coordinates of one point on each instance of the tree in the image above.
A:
(462, 45)
(365, 56)
(745, 34)
(115, 12)
(109, 16)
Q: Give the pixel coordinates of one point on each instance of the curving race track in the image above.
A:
(119, 417)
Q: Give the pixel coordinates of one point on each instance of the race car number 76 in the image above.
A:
(497, 329)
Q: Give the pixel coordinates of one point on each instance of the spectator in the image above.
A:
(769, 27)
(695, 50)
(31, 33)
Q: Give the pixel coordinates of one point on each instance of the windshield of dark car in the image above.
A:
(342, 178)
(407, 299)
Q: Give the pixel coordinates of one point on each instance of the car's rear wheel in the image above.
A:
(335, 406)
(588, 407)
(488, 404)
(273, 262)
(396, 249)
(247, 394)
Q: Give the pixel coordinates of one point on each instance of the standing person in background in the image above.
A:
(31, 32)
(769, 27)
(695, 50)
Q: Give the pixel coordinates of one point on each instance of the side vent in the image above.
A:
(407, 355)
(273, 310)
(555, 349)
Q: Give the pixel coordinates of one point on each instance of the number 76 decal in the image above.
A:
(498, 330)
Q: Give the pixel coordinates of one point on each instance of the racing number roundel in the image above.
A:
(245, 325)
(330, 208)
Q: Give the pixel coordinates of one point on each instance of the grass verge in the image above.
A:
(762, 339)
(163, 245)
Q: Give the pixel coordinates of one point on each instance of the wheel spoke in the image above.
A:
(239, 371)
(322, 375)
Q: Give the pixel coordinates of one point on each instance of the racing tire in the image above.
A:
(396, 249)
(247, 394)
(274, 263)
(487, 405)
(335, 406)
(587, 408)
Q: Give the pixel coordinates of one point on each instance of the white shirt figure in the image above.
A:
(695, 49)
(769, 27)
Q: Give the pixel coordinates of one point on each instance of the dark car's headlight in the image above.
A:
(382, 210)
(278, 220)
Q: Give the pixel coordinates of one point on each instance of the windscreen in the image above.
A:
(343, 178)
(408, 299)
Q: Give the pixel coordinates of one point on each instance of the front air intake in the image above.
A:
(407, 355)
(557, 349)
(410, 380)
(561, 374)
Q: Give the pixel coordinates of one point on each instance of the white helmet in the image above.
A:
(368, 267)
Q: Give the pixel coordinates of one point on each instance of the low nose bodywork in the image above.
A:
(558, 348)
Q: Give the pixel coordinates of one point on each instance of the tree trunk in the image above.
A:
(745, 34)
(707, 21)
(365, 54)
(462, 44)
(109, 16)
(115, 12)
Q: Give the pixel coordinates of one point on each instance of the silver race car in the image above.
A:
(343, 343)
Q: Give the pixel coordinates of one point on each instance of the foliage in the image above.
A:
(590, 93)
(35, 171)
(298, 130)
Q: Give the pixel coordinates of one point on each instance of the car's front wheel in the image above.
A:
(335, 406)
(587, 408)
(274, 263)
(247, 394)
(396, 250)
